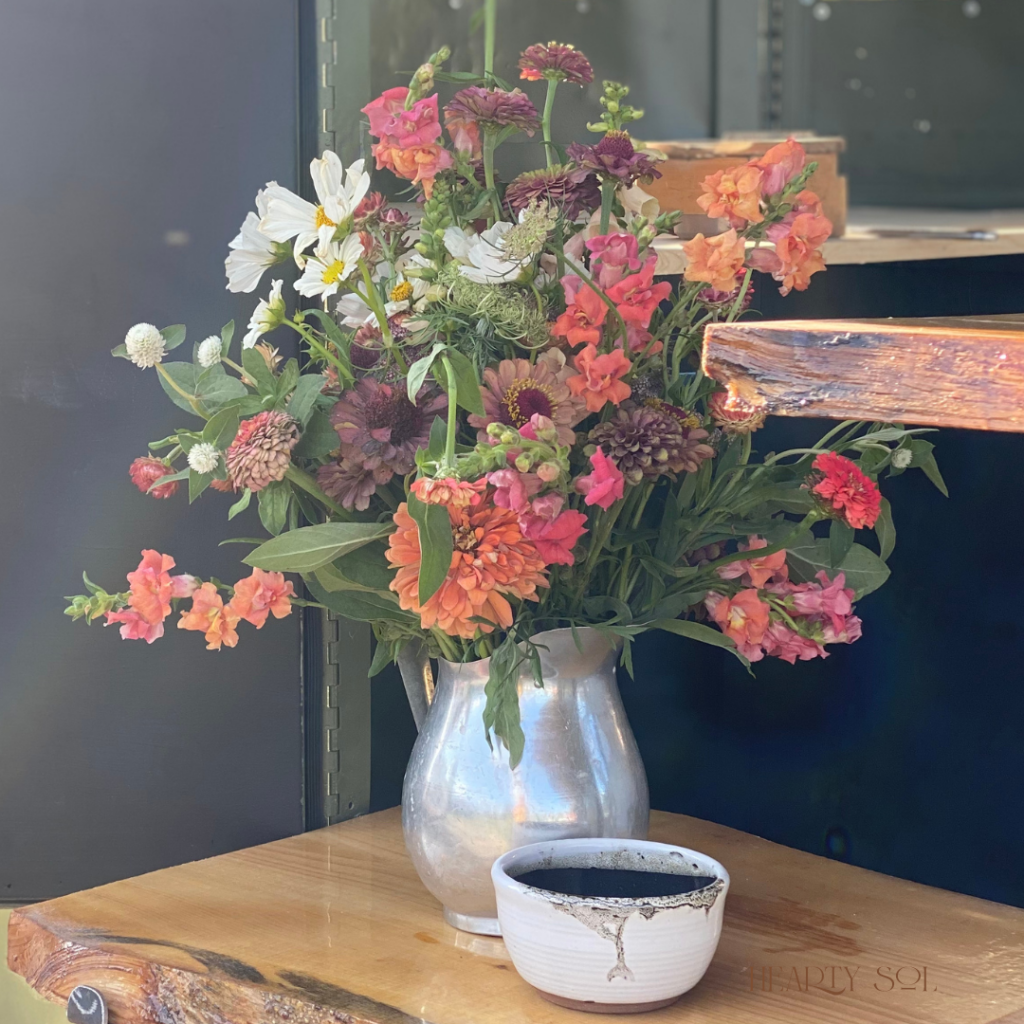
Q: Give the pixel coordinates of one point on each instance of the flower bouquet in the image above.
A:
(499, 424)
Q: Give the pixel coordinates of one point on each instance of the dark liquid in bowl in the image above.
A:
(614, 882)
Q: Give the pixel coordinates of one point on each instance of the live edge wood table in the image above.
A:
(334, 926)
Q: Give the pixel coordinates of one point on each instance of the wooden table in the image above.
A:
(334, 926)
(963, 372)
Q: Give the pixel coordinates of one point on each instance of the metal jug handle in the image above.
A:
(418, 677)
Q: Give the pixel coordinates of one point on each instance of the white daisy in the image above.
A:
(483, 256)
(268, 314)
(291, 216)
(145, 345)
(353, 311)
(203, 457)
(208, 353)
(329, 266)
(251, 251)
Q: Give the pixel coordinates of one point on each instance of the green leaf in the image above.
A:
(885, 531)
(274, 501)
(182, 474)
(319, 438)
(840, 540)
(597, 606)
(241, 505)
(468, 387)
(501, 712)
(197, 483)
(363, 607)
(184, 375)
(258, 372)
(435, 532)
(383, 655)
(924, 460)
(308, 548)
(335, 335)
(173, 336)
(221, 428)
(227, 333)
(698, 631)
(303, 400)
(366, 568)
(215, 388)
(435, 447)
(864, 570)
(674, 605)
(120, 351)
(287, 380)
(419, 370)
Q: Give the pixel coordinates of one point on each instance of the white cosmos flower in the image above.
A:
(208, 353)
(291, 216)
(353, 311)
(145, 345)
(329, 266)
(203, 457)
(268, 314)
(483, 256)
(251, 251)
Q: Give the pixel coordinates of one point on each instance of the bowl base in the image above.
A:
(469, 923)
(589, 1006)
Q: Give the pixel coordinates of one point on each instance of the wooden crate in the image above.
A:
(690, 162)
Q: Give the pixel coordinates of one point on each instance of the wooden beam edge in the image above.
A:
(139, 990)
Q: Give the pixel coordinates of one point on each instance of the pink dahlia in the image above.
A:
(518, 390)
(493, 109)
(559, 62)
(572, 190)
(145, 472)
(262, 450)
(380, 429)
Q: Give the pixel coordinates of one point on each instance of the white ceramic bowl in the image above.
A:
(605, 954)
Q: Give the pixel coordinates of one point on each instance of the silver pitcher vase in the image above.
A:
(581, 774)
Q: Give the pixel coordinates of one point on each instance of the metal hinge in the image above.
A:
(343, 74)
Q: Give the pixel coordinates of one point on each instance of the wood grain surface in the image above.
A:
(334, 926)
(956, 372)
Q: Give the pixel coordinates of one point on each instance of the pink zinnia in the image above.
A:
(844, 491)
(604, 485)
(560, 62)
(493, 109)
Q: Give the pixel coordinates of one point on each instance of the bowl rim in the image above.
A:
(503, 880)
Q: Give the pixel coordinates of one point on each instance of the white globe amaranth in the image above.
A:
(208, 353)
(203, 457)
(145, 345)
(902, 458)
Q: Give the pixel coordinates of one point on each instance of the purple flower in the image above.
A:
(379, 426)
(615, 157)
(561, 62)
(571, 190)
(493, 109)
(349, 483)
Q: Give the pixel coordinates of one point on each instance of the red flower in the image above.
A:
(145, 471)
(845, 492)
(554, 538)
(637, 296)
(581, 323)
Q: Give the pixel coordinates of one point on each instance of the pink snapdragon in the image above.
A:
(637, 297)
(513, 489)
(135, 627)
(553, 532)
(612, 255)
(758, 571)
(605, 485)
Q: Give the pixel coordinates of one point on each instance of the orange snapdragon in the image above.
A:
(210, 616)
(261, 594)
(717, 260)
(734, 193)
(599, 379)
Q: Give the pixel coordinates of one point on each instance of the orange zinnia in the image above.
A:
(717, 261)
(734, 193)
(491, 558)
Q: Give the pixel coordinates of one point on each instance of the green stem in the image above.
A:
(490, 139)
(372, 299)
(490, 26)
(317, 349)
(607, 195)
(303, 480)
(234, 366)
(734, 312)
(453, 419)
(549, 106)
(444, 641)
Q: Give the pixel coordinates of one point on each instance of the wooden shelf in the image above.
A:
(334, 926)
(963, 372)
(861, 245)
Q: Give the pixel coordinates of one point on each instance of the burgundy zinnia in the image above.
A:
(379, 426)
(569, 189)
(349, 483)
(494, 109)
(559, 62)
(615, 157)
